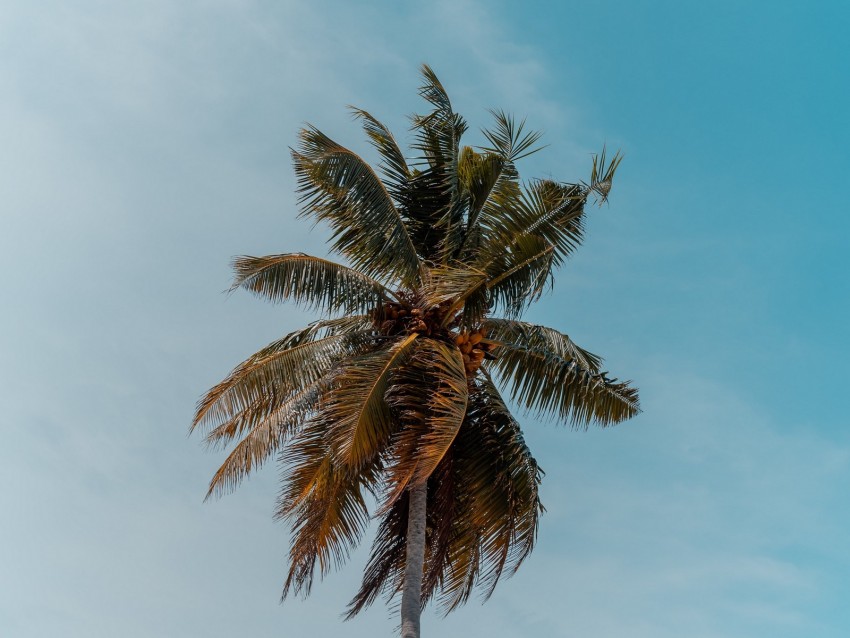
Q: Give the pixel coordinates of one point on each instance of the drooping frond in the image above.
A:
(538, 337)
(385, 568)
(265, 380)
(496, 521)
(266, 437)
(338, 186)
(359, 417)
(554, 383)
(482, 515)
(324, 503)
(314, 282)
(429, 397)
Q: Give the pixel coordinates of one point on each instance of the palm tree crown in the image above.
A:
(397, 387)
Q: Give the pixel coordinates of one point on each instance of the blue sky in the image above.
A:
(145, 143)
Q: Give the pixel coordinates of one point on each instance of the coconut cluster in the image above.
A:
(392, 319)
(405, 318)
(474, 349)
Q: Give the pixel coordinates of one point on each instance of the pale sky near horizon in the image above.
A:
(145, 143)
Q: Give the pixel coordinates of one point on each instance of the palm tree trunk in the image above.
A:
(411, 596)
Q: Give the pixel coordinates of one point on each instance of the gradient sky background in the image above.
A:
(143, 144)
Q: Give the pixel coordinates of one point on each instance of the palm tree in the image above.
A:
(389, 406)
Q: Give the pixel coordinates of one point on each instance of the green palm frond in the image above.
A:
(422, 205)
(554, 212)
(338, 186)
(433, 91)
(544, 226)
(361, 422)
(547, 229)
(520, 274)
(438, 137)
(478, 174)
(514, 278)
(493, 181)
(538, 337)
(493, 184)
(314, 282)
(555, 384)
(394, 169)
(509, 138)
(602, 174)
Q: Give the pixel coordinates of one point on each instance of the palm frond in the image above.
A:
(284, 367)
(265, 438)
(497, 517)
(509, 138)
(522, 243)
(493, 184)
(478, 173)
(547, 211)
(482, 516)
(338, 186)
(447, 283)
(538, 337)
(514, 278)
(520, 275)
(438, 137)
(422, 204)
(553, 383)
(385, 569)
(324, 504)
(361, 422)
(393, 166)
(429, 397)
(548, 228)
(314, 282)
(602, 174)
(554, 212)
(433, 91)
